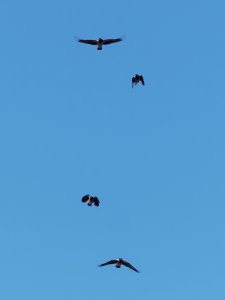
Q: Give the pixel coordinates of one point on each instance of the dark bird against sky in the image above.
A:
(100, 42)
(90, 200)
(119, 262)
(136, 79)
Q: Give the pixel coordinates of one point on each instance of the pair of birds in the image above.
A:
(100, 42)
(93, 199)
(119, 261)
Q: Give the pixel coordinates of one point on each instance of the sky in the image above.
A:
(71, 124)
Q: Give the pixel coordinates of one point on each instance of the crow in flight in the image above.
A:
(100, 42)
(119, 262)
(90, 200)
(136, 79)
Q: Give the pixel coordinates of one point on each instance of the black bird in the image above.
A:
(91, 200)
(136, 79)
(100, 42)
(119, 262)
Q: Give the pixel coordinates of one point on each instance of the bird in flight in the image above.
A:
(136, 79)
(119, 262)
(90, 200)
(100, 42)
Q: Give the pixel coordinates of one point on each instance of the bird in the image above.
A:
(100, 42)
(91, 200)
(136, 79)
(119, 262)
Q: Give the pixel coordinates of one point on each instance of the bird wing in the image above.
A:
(85, 198)
(90, 42)
(110, 41)
(96, 201)
(127, 264)
(110, 262)
(142, 80)
(133, 81)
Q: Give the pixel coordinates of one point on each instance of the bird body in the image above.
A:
(118, 262)
(100, 42)
(136, 79)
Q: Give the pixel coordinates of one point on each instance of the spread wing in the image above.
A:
(85, 198)
(142, 80)
(133, 81)
(90, 42)
(96, 201)
(127, 264)
(110, 262)
(110, 41)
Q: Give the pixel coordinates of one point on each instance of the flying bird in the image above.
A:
(100, 42)
(119, 262)
(90, 200)
(136, 79)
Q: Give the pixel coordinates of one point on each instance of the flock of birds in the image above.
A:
(100, 42)
(93, 199)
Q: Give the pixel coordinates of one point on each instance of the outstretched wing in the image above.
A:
(133, 81)
(110, 41)
(85, 198)
(142, 80)
(127, 264)
(90, 42)
(96, 201)
(110, 262)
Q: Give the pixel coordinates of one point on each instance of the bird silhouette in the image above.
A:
(100, 42)
(119, 262)
(136, 79)
(90, 200)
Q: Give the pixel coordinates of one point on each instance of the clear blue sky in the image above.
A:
(70, 124)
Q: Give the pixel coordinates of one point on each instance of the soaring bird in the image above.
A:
(136, 79)
(100, 42)
(91, 200)
(119, 262)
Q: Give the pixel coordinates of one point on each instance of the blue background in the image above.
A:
(70, 124)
